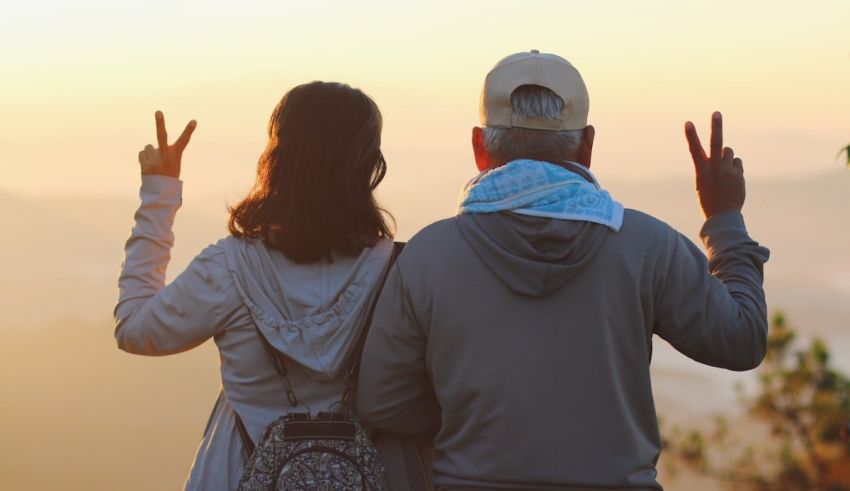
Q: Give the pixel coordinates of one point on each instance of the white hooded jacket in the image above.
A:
(311, 313)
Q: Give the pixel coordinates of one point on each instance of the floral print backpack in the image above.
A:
(326, 451)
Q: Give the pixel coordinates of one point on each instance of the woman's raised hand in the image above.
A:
(165, 160)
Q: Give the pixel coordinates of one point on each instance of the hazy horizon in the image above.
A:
(792, 216)
(141, 418)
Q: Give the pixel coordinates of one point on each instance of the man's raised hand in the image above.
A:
(720, 175)
(165, 160)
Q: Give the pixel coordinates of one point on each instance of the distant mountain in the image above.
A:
(62, 254)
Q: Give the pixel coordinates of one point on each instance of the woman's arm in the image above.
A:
(151, 318)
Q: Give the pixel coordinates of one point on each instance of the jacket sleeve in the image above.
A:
(714, 312)
(395, 393)
(151, 318)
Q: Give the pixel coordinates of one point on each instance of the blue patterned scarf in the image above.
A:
(533, 187)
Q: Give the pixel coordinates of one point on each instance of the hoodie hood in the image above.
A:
(311, 313)
(530, 255)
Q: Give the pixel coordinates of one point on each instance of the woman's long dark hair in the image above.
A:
(313, 193)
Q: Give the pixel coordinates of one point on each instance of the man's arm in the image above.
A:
(715, 311)
(394, 391)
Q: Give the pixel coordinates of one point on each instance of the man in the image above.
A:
(518, 333)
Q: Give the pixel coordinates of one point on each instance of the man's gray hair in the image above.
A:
(532, 101)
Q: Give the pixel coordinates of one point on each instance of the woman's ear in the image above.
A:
(585, 147)
(482, 157)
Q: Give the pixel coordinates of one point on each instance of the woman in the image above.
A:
(305, 253)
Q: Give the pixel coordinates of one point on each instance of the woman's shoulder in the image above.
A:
(214, 252)
(220, 248)
(213, 260)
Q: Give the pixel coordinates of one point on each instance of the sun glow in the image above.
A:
(83, 79)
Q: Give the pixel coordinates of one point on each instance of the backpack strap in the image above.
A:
(247, 443)
(350, 377)
(353, 370)
(280, 367)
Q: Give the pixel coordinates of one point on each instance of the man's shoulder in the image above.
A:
(440, 231)
(636, 221)
(438, 227)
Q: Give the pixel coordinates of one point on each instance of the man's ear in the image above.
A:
(482, 157)
(585, 147)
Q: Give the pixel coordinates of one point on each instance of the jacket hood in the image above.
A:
(531, 255)
(313, 313)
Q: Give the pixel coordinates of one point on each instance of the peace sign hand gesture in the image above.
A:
(165, 160)
(720, 175)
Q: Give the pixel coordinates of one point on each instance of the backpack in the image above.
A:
(326, 451)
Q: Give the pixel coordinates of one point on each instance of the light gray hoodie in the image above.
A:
(522, 345)
(311, 313)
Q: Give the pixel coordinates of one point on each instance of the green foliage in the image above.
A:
(805, 404)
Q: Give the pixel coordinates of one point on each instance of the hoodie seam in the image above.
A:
(308, 341)
(406, 298)
(334, 311)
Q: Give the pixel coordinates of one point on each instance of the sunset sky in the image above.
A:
(82, 79)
